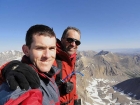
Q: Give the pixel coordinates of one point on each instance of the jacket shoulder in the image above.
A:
(19, 96)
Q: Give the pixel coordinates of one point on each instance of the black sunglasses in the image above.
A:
(70, 40)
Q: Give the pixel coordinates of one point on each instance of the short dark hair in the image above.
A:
(70, 28)
(40, 30)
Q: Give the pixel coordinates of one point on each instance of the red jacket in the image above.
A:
(1, 78)
(46, 94)
(68, 66)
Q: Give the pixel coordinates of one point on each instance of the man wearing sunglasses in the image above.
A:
(71, 40)
(65, 60)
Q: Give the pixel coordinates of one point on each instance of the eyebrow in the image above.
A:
(43, 46)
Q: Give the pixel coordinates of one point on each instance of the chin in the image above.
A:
(45, 69)
(70, 53)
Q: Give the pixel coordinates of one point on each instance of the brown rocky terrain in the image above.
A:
(104, 78)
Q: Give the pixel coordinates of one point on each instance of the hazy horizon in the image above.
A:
(125, 50)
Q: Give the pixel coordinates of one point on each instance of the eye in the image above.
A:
(70, 40)
(52, 48)
(39, 48)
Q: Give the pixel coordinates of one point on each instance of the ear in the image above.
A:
(25, 50)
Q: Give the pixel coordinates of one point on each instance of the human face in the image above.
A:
(42, 52)
(71, 48)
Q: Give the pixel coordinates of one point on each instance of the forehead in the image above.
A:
(73, 34)
(44, 40)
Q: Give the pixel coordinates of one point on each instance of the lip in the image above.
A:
(44, 62)
(71, 47)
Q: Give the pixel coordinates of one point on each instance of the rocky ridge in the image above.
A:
(102, 72)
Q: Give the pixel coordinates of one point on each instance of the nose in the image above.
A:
(73, 43)
(46, 53)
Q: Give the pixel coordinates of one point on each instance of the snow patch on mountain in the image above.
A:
(101, 92)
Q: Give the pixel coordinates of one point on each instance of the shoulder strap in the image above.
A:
(59, 76)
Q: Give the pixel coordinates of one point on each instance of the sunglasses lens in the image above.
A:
(70, 40)
(77, 42)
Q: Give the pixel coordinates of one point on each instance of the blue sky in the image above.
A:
(104, 24)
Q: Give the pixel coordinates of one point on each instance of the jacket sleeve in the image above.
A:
(31, 97)
(1, 78)
(19, 97)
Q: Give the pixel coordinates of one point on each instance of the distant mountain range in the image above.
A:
(109, 78)
(10, 55)
(126, 51)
